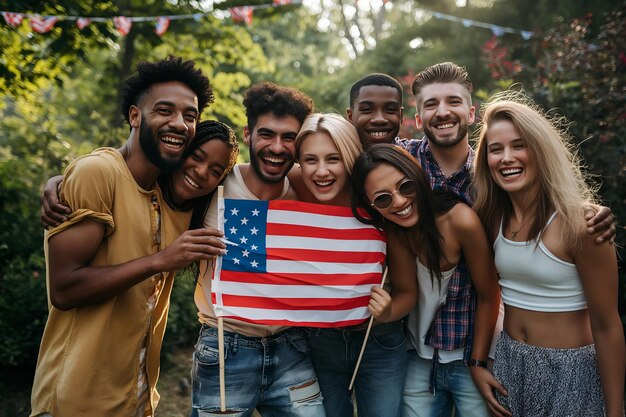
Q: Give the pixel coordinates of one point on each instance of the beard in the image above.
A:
(149, 143)
(256, 166)
(448, 142)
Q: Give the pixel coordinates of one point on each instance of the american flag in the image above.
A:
(13, 19)
(82, 22)
(295, 264)
(162, 23)
(241, 14)
(42, 24)
(123, 24)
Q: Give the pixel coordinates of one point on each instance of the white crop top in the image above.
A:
(533, 278)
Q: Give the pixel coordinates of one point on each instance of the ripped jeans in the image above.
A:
(272, 374)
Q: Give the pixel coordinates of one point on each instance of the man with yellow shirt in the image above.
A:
(109, 295)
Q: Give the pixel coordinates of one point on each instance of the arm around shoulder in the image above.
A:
(597, 267)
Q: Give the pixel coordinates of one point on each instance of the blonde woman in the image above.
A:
(327, 147)
(562, 348)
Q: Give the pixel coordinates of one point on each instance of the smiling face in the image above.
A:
(201, 171)
(376, 114)
(166, 119)
(323, 169)
(386, 178)
(272, 146)
(511, 164)
(445, 113)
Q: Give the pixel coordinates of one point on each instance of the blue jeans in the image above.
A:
(379, 381)
(272, 374)
(453, 386)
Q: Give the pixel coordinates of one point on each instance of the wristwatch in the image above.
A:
(476, 362)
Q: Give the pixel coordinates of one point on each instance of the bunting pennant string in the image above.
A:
(495, 29)
(241, 14)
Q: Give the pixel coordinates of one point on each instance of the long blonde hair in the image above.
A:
(341, 131)
(562, 185)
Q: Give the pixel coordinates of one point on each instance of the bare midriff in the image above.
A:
(557, 330)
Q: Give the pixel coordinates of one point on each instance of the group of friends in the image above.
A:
(124, 220)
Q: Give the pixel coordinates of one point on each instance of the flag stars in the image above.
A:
(233, 230)
(254, 264)
(244, 220)
(255, 212)
(254, 230)
(236, 261)
(243, 240)
(234, 212)
(245, 253)
(254, 248)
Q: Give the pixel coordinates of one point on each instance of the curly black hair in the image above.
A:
(282, 101)
(378, 79)
(168, 69)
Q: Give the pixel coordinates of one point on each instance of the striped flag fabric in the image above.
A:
(241, 14)
(83, 22)
(42, 24)
(13, 19)
(162, 23)
(291, 263)
(123, 24)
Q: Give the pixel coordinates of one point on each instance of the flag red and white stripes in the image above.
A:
(123, 24)
(296, 264)
(241, 14)
(13, 19)
(42, 24)
(162, 23)
(83, 22)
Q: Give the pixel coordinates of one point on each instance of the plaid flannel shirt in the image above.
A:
(453, 324)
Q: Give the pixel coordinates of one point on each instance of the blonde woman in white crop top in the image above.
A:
(562, 348)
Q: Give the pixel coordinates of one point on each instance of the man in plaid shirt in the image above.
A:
(445, 112)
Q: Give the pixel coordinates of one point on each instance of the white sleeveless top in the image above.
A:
(532, 278)
(431, 295)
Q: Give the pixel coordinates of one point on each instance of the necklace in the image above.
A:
(515, 232)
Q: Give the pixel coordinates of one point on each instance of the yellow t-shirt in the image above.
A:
(88, 361)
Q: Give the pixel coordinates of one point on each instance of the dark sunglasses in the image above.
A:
(384, 200)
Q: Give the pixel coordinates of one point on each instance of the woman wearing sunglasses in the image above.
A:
(428, 233)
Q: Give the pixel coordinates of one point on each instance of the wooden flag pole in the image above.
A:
(367, 334)
(220, 334)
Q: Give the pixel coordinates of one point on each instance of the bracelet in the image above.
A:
(476, 362)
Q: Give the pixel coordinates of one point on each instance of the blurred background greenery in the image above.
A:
(59, 94)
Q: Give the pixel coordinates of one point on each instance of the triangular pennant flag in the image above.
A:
(241, 14)
(281, 2)
(82, 22)
(13, 19)
(526, 35)
(197, 16)
(162, 24)
(123, 24)
(497, 30)
(467, 22)
(42, 24)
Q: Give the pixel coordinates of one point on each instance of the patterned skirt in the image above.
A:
(548, 382)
